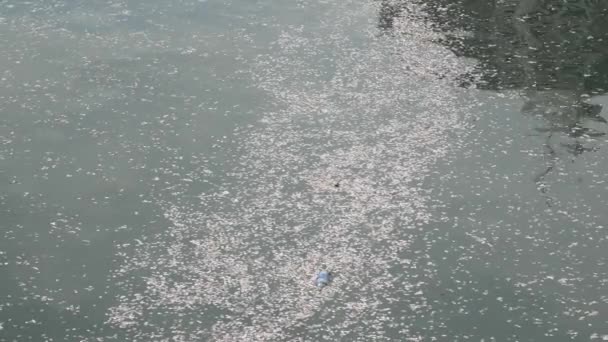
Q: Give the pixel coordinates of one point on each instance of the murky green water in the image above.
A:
(179, 170)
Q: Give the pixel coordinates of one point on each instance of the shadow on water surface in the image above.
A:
(553, 53)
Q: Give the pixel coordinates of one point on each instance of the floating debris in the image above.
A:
(323, 279)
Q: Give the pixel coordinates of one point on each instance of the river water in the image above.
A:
(180, 170)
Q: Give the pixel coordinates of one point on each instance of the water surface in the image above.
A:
(179, 170)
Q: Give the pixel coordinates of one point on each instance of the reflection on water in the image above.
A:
(554, 53)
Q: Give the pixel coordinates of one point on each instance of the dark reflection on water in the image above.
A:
(555, 53)
(530, 45)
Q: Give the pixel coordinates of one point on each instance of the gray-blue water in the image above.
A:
(180, 170)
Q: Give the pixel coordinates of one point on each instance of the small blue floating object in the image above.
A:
(323, 279)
